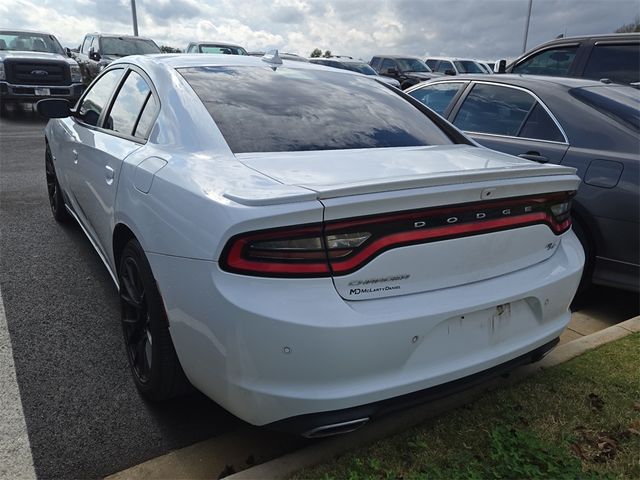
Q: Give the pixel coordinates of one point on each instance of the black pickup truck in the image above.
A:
(33, 66)
(100, 49)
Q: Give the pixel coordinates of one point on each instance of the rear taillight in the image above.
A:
(341, 247)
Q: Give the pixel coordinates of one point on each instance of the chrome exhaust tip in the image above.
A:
(335, 428)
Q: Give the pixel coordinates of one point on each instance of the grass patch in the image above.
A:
(580, 420)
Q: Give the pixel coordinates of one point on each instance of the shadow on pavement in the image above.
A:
(21, 113)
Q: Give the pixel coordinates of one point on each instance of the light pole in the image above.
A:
(135, 17)
(526, 28)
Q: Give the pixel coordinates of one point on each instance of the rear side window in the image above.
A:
(375, 63)
(619, 63)
(540, 126)
(554, 61)
(97, 97)
(261, 110)
(128, 104)
(431, 64)
(494, 109)
(437, 96)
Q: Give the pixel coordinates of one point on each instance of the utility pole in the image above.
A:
(135, 17)
(526, 28)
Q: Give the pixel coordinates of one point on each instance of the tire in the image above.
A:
(582, 294)
(152, 358)
(54, 193)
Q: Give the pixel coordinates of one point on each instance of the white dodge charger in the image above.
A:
(307, 246)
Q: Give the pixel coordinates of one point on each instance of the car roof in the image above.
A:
(224, 44)
(185, 60)
(600, 36)
(339, 60)
(453, 59)
(526, 80)
(397, 56)
(20, 30)
(118, 35)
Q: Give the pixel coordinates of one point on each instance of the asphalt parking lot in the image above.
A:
(83, 414)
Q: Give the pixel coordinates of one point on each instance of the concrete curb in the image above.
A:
(286, 465)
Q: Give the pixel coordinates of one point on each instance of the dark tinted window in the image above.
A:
(128, 104)
(468, 66)
(375, 63)
(554, 61)
(223, 49)
(494, 109)
(123, 46)
(261, 110)
(358, 67)
(97, 98)
(431, 64)
(147, 117)
(412, 65)
(620, 103)
(437, 96)
(444, 65)
(541, 126)
(620, 63)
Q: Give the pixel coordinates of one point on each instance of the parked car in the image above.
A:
(615, 57)
(99, 49)
(454, 66)
(408, 71)
(33, 65)
(354, 66)
(487, 65)
(351, 252)
(283, 56)
(216, 47)
(584, 124)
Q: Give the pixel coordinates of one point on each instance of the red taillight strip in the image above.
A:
(400, 239)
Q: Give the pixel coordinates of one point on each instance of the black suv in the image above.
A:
(615, 57)
(407, 70)
(98, 50)
(33, 66)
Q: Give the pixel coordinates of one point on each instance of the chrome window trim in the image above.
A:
(537, 99)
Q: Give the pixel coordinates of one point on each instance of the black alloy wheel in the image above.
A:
(154, 364)
(56, 200)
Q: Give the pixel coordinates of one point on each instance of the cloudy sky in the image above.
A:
(487, 29)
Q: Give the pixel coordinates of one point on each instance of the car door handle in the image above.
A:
(75, 156)
(535, 156)
(109, 174)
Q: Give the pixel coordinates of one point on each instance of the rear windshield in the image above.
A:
(620, 103)
(261, 110)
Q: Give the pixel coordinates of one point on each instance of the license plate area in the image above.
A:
(43, 91)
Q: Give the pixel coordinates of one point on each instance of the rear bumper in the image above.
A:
(27, 93)
(272, 349)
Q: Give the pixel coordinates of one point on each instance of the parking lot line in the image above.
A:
(15, 451)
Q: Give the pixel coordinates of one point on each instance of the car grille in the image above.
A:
(37, 72)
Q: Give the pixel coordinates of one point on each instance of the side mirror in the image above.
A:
(54, 108)
(93, 55)
(448, 71)
(391, 71)
(501, 66)
(69, 54)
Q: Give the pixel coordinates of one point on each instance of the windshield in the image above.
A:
(29, 42)
(412, 65)
(620, 103)
(468, 66)
(359, 67)
(223, 49)
(123, 46)
(264, 109)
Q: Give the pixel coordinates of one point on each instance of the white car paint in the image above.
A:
(266, 348)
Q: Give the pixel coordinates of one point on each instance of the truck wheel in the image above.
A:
(152, 358)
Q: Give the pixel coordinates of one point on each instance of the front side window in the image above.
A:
(128, 104)
(97, 97)
(494, 109)
(258, 109)
(437, 96)
(95, 44)
(619, 63)
(554, 61)
(86, 45)
(388, 63)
